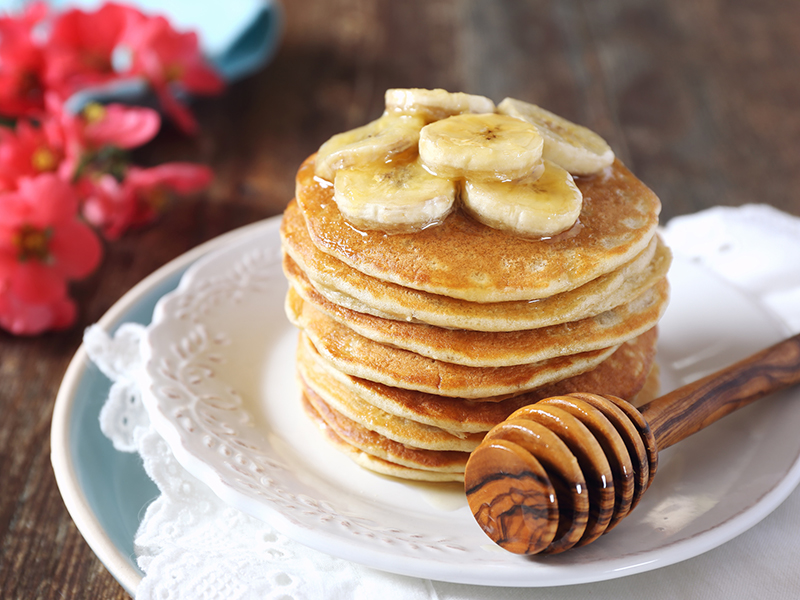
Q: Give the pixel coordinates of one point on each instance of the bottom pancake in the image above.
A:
(414, 450)
(651, 388)
(378, 454)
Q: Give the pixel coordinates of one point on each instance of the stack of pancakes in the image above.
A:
(414, 345)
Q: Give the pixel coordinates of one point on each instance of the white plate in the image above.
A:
(220, 356)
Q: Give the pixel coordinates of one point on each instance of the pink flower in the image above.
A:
(81, 50)
(115, 206)
(80, 47)
(96, 130)
(163, 56)
(43, 246)
(23, 24)
(21, 318)
(65, 143)
(181, 177)
(55, 165)
(112, 207)
(21, 64)
(118, 125)
(29, 150)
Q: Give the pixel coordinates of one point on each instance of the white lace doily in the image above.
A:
(193, 546)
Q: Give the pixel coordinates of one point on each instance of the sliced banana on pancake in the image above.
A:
(573, 147)
(486, 147)
(536, 207)
(396, 197)
(376, 141)
(436, 104)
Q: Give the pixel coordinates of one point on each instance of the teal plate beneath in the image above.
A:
(106, 491)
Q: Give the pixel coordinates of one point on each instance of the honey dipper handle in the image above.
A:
(690, 408)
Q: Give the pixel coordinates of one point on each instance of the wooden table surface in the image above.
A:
(700, 98)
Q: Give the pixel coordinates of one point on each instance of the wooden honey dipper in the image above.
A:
(561, 472)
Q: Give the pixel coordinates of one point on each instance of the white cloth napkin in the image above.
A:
(192, 545)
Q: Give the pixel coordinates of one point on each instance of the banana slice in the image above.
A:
(378, 141)
(573, 147)
(485, 147)
(396, 197)
(436, 104)
(531, 207)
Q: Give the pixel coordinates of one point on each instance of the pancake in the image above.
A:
(374, 449)
(375, 444)
(496, 349)
(623, 374)
(347, 287)
(423, 324)
(618, 219)
(374, 463)
(651, 388)
(361, 357)
(405, 431)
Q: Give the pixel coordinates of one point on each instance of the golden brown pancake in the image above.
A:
(361, 357)
(336, 394)
(623, 374)
(373, 450)
(374, 463)
(496, 349)
(617, 221)
(349, 288)
(377, 445)
(651, 388)
(413, 345)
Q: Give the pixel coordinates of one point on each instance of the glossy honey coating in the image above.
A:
(350, 288)
(618, 220)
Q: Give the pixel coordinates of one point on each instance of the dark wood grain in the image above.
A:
(510, 488)
(698, 97)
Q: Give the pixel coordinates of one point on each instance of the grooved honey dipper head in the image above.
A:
(581, 462)
(560, 473)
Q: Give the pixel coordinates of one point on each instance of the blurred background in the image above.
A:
(700, 98)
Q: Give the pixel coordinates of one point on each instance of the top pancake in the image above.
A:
(347, 287)
(462, 258)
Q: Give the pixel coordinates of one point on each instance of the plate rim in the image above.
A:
(61, 456)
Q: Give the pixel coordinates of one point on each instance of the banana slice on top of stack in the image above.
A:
(455, 259)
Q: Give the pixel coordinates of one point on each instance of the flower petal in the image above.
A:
(35, 283)
(51, 200)
(23, 318)
(14, 212)
(76, 250)
(109, 206)
(181, 177)
(80, 47)
(121, 126)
